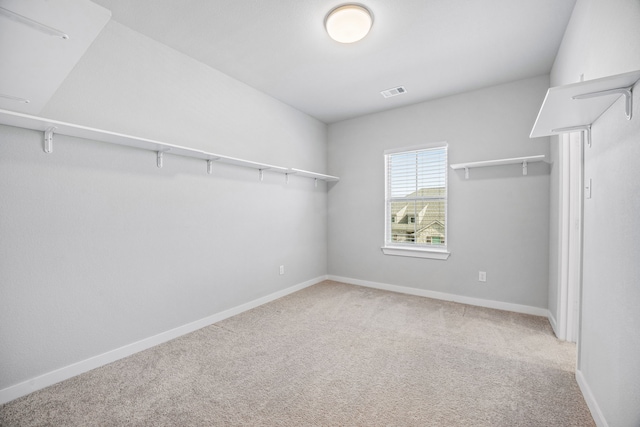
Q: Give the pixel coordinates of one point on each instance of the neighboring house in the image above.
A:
(419, 217)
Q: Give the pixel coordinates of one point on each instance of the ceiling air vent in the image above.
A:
(393, 92)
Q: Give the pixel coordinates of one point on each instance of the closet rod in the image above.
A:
(51, 127)
(523, 160)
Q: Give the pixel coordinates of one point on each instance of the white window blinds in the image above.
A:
(416, 198)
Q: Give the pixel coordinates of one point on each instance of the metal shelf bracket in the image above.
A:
(209, 167)
(626, 91)
(48, 140)
(466, 173)
(524, 168)
(160, 156)
(261, 174)
(585, 128)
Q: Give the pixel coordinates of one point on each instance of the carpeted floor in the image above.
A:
(332, 355)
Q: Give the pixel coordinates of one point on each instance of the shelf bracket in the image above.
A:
(626, 91)
(315, 182)
(524, 168)
(585, 128)
(286, 177)
(209, 167)
(466, 173)
(160, 156)
(261, 174)
(48, 140)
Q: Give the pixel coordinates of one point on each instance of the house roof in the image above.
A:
(426, 212)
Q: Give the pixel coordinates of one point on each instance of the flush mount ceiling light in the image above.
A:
(348, 23)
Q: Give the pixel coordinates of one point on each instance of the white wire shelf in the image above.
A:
(499, 162)
(576, 106)
(52, 127)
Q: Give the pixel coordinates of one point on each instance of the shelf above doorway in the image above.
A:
(576, 106)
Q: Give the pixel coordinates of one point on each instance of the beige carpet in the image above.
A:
(332, 355)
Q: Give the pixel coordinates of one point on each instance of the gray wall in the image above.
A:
(498, 219)
(603, 38)
(99, 248)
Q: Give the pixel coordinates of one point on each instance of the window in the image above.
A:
(416, 202)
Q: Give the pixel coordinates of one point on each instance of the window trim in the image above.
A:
(399, 249)
(430, 253)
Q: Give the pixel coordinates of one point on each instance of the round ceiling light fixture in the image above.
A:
(348, 23)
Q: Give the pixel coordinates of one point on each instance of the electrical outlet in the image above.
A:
(482, 276)
(281, 270)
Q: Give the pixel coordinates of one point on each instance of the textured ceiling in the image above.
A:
(434, 48)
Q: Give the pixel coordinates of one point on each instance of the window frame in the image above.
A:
(440, 252)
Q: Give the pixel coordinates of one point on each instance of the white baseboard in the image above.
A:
(15, 391)
(596, 413)
(499, 305)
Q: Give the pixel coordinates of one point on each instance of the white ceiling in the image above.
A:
(434, 48)
(35, 64)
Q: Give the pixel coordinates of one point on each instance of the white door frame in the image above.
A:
(576, 152)
(570, 268)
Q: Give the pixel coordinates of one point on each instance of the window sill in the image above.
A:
(441, 254)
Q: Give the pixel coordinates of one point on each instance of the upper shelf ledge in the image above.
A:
(514, 160)
(51, 127)
(314, 175)
(576, 106)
